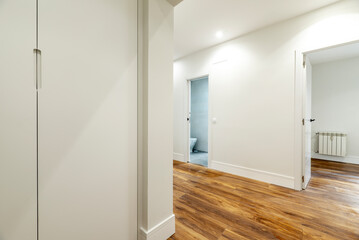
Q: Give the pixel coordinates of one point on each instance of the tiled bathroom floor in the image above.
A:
(200, 158)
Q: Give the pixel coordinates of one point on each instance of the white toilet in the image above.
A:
(193, 142)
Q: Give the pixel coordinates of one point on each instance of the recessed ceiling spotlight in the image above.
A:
(219, 34)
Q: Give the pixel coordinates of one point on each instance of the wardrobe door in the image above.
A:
(88, 120)
(17, 120)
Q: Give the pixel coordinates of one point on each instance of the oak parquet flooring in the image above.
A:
(213, 205)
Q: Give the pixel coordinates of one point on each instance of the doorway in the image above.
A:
(331, 97)
(198, 121)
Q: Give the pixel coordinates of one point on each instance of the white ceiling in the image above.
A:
(334, 54)
(197, 21)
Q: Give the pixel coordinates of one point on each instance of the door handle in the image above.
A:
(38, 70)
(309, 120)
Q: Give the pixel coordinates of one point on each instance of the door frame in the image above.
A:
(299, 108)
(187, 115)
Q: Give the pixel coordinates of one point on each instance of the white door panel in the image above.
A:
(307, 171)
(87, 119)
(17, 120)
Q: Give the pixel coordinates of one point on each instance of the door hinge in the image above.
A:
(302, 178)
(304, 63)
(303, 121)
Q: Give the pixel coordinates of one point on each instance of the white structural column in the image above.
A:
(155, 151)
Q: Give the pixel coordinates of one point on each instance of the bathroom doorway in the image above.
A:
(198, 121)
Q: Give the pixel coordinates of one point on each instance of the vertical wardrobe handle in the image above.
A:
(38, 71)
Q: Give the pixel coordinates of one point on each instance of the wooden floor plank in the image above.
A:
(209, 204)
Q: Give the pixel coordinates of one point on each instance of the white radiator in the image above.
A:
(334, 144)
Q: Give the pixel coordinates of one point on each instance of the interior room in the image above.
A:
(270, 98)
(335, 102)
(331, 97)
(179, 119)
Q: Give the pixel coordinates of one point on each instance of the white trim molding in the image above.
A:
(178, 157)
(161, 231)
(272, 178)
(347, 159)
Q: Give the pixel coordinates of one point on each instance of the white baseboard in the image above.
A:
(347, 159)
(161, 231)
(273, 178)
(178, 157)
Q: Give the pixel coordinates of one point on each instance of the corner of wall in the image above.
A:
(162, 231)
(174, 2)
(178, 157)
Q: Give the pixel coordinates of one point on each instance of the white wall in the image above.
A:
(157, 221)
(252, 91)
(335, 103)
(199, 113)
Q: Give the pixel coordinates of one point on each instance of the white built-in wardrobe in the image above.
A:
(68, 119)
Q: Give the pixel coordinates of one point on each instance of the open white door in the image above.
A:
(307, 121)
(188, 138)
